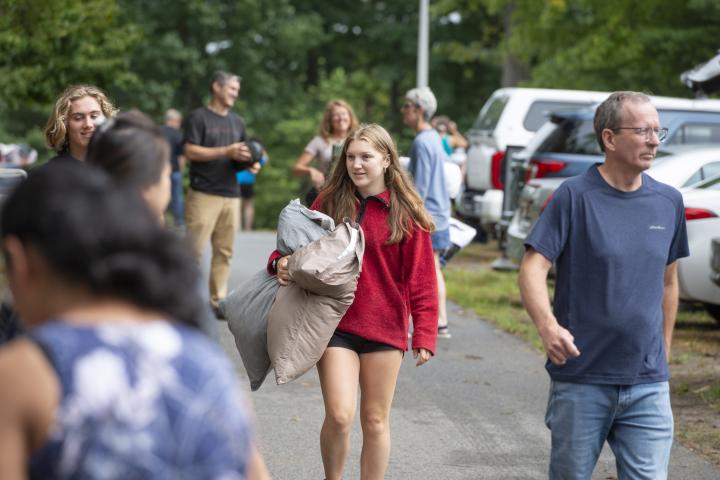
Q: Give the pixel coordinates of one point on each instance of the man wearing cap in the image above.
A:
(427, 157)
(215, 145)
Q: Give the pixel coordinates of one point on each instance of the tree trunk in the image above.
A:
(513, 70)
(311, 78)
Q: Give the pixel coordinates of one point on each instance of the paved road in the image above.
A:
(473, 412)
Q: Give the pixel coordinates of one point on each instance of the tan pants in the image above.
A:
(214, 218)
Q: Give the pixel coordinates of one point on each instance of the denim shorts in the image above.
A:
(440, 240)
(636, 421)
(357, 343)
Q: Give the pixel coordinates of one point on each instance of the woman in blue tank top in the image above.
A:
(114, 380)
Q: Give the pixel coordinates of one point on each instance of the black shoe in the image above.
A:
(218, 312)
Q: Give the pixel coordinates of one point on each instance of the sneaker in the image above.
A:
(443, 332)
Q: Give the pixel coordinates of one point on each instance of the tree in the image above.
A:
(615, 44)
(46, 46)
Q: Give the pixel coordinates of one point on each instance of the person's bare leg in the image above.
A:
(442, 308)
(257, 470)
(248, 208)
(378, 376)
(241, 214)
(339, 369)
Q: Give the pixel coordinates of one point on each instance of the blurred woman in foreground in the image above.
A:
(113, 380)
(134, 151)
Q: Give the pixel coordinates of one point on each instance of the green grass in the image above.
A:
(494, 296)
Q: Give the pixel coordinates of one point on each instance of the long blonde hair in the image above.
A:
(326, 130)
(56, 128)
(339, 198)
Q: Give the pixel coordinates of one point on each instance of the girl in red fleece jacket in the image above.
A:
(397, 281)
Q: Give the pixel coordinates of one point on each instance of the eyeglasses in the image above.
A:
(645, 132)
(408, 105)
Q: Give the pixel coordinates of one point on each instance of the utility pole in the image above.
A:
(423, 44)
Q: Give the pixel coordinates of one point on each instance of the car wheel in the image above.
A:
(713, 310)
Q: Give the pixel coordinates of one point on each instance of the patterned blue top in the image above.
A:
(142, 401)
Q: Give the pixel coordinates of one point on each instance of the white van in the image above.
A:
(505, 124)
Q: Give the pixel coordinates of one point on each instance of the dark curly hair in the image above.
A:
(131, 148)
(98, 235)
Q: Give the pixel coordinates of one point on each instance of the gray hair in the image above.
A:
(172, 114)
(221, 78)
(424, 98)
(610, 112)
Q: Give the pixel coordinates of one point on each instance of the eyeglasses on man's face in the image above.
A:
(407, 105)
(644, 132)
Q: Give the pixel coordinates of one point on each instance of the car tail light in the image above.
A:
(496, 167)
(542, 209)
(540, 168)
(698, 213)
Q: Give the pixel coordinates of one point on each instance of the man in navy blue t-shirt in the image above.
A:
(615, 235)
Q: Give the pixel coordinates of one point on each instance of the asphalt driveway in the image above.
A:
(475, 411)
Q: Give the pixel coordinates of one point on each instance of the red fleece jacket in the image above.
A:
(396, 281)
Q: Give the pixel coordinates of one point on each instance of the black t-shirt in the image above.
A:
(175, 139)
(63, 156)
(206, 128)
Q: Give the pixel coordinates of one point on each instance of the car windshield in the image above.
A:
(490, 113)
(711, 184)
(573, 136)
(541, 109)
(539, 138)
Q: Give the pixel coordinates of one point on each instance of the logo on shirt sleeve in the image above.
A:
(657, 227)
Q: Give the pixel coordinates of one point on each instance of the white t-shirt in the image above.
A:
(321, 149)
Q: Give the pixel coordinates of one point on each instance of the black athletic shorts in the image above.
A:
(247, 190)
(358, 344)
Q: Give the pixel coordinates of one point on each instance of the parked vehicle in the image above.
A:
(703, 79)
(702, 207)
(566, 145)
(16, 155)
(715, 261)
(679, 166)
(9, 179)
(505, 124)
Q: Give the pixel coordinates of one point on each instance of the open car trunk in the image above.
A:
(704, 79)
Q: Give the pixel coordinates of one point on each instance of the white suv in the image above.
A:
(506, 123)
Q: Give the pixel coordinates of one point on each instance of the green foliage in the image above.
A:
(46, 46)
(494, 296)
(294, 56)
(614, 44)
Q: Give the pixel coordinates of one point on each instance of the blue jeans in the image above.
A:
(636, 421)
(177, 207)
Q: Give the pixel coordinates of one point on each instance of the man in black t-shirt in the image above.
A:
(215, 145)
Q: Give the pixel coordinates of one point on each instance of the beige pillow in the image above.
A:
(305, 314)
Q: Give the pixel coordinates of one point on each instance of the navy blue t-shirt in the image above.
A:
(611, 249)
